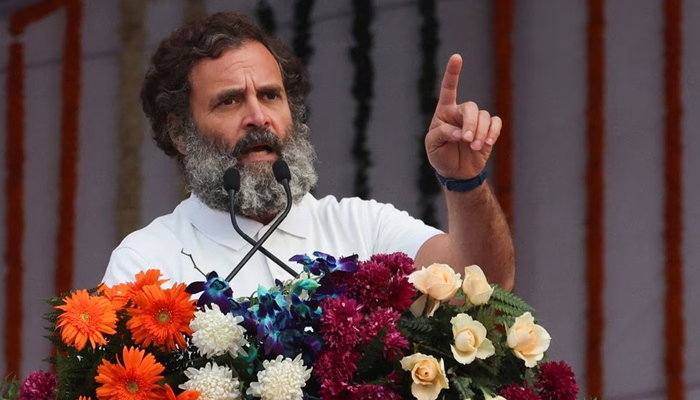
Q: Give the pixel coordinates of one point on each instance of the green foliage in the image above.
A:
(417, 329)
(371, 357)
(9, 388)
(503, 296)
(431, 336)
(461, 385)
(508, 305)
(76, 372)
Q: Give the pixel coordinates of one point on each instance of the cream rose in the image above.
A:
(528, 340)
(470, 340)
(428, 375)
(475, 285)
(438, 281)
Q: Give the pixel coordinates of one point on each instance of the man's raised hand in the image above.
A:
(460, 137)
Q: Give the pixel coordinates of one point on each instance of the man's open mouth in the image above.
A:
(259, 149)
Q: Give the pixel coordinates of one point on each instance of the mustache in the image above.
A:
(258, 138)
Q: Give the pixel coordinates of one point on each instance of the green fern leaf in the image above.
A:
(503, 296)
(417, 329)
(487, 317)
(461, 385)
(508, 309)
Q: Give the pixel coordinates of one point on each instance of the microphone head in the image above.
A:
(232, 179)
(281, 170)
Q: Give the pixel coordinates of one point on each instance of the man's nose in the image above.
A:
(255, 117)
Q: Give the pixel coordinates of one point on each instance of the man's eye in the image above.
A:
(227, 102)
(270, 96)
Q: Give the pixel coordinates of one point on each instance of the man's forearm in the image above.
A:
(479, 234)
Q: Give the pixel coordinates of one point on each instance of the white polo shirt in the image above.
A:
(339, 228)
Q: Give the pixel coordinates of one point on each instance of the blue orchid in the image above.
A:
(325, 264)
(214, 291)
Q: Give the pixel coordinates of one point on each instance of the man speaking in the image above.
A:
(220, 94)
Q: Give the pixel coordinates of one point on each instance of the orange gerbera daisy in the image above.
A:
(136, 379)
(84, 398)
(150, 277)
(186, 395)
(86, 318)
(120, 294)
(161, 316)
(117, 295)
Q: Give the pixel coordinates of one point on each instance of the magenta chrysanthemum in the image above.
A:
(378, 319)
(394, 346)
(381, 282)
(39, 385)
(335, 365)
(398, 263)
(556, 381)
(517, 392)
(394, 342)
(340, 322)
(334, 390)
(372, 392)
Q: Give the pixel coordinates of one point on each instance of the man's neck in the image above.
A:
(266, 219)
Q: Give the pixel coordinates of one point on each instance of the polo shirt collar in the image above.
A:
(216, 225)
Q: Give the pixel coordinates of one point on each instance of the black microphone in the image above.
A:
(232, 183)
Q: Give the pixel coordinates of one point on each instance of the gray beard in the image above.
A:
(260, 195)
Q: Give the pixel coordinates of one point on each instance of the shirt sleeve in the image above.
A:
(391, 230)
(123, 266)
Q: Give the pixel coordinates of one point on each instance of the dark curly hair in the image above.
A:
(166, 87)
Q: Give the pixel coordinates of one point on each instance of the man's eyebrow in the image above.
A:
(273, 87)
(224, 95)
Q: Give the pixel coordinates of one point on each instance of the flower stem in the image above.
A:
(432, 350)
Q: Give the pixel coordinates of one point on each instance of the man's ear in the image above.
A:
(174, 131)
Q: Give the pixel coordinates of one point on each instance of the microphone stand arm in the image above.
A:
(258, 245)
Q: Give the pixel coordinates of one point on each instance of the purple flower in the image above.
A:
(214, 290)
(325, 264)
(517, 392)
(39, 385)
(556, 381)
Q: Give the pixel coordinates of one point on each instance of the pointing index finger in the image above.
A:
(448, 89)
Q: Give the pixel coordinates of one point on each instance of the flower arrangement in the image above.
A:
(376, 329)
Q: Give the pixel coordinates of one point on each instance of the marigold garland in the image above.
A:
(22, 18)
(673, 215)
(505, 10)
(131, 55)
(19, 21)
(595, 186)
(70, 90)
(14, 213)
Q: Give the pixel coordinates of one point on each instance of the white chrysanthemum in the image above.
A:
(214, 382)
(281, 379)
(215, 334)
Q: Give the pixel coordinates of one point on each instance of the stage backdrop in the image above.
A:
(597, 168)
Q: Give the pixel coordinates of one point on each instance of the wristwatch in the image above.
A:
(462, 185)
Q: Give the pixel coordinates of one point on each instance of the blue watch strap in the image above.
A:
(462, 185)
